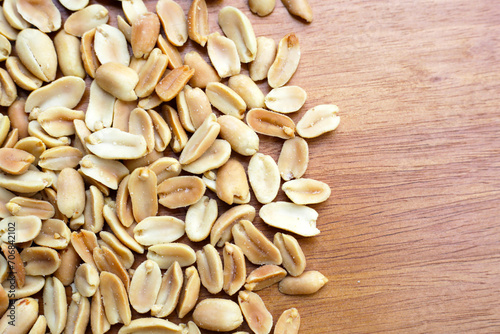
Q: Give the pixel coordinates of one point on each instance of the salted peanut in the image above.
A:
(180, 191)
(84, 242)
(234, 268)
(114, 297)
(166, 254)
(261, 7)
(264, 177)
(294, 260)
(11, 139)
(214, 157)
(216, 314)
(240, 136)
(106, 260)
(6, 28)
(74, 5)
(37, 52)
(40, 261)
(94, 203)
(237, 27)
(290, 217)
(198, 106)
(248, 90)
(99, 113)
(124, 204)
(25, 206)
(70, 261)
(223, 55)
(151, 72)
(150, 102)
(300, 8)
(118, 80)
(162, 133)
(8, 89)
(55, 307)
(264, 276)
(145, 286)
(173, 82)
(210, 269)
(258, 318)
(12, 15)
(110, 45)
(4, 127)
(183, 109)
(20, 228)
(36, 130)
(70, 193)
(30, 182)
(254, 244)
(4, 273)
(86, 19)
(150, 325)
(86, 280)
(124, 27)
(63, 92)
(140, 123)
(293, 159)
(225, 99)
(25, 309)
(16, 265)
(124, 254)
(54, 234)
(286, 99)
(288, 322)
(201, 140)
(98, 322)
(318, 120)
(179, 136)
(32, 285)
(58, 121)
(232, 182)
(221, 231)
(18, 118)
(306, 191)
(89, 57)
(307, 283)
(5, 48)
(42, 14)
(266, 53)
(5, 197)
(204, 72)
(142, 190)
(107, 172)
(165, 168)
(120, 231)
(133, 9)
(77, 222)
(145, 32)
(198, 28)
(286, 61)
(271, 123)
(174, 57)
(68, 54)
(158, 230)
(200, 218)
(40, 325)
(58, 158)
(112, 143)
(21, 75)
(173, 20)
(121, 113)
(169, 292)
(15, 161)
(78, 314)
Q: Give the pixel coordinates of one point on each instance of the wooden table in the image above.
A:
(410, 236)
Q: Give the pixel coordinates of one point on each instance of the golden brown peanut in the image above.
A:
(8, 89)
(12, 15)
(32, 285)
(300, 8)
(173, 82)
(63, 92)
(225, 99)
(58, 158)
(293, 159)
(78, 315)
(201, 140)
(140, 123)
(5, 48)
(290, 217)
(4, 299)
(217, 314)
(133, 9)
(232, 182)
(264, 177)
(110, 45)
(150, 326)
(150, 74)
(288, 322)
(158, 230)
(318, 120)
(264, 276)
(42, 14)
(68, 54)
(58, 121)
(198, 28)
(15, 161)
(74, 5)
(198, 106)
(98, 322)
(237, 27)
(26, 228)
(307, 283)
(55, 307)
(84, 242)
(94, 203)
(25, 309)
(11, 139)
(145, 31)
(107, 172)
(271, 123)
(21, 75)
(121, 113)
(40, 261)
(240, 136)
(262, 7)
(70, 193)
(18, 118)
(143, 195)
(124, 254)
(54, 234)
(214, 157)
(118, 80)
(89, 58)
(210, 269)
(183, 109)
(200, 218)
(5, 197)
(29, 182)
(169, 293)
(77, 222)
(173, 20)
(254, 244)
(286, 99)
(16, 264)
(145, 286)
(204, 73)
(31, 145)
(119, 230)
(223, 55)
(37, 52)
(165, 168)
(306, 191)
(234, 268)
(266, 53)
(86, 19)
(179, 136)
(40, 325)
(114, 297)
(248, 90)
(36, 130)
(166, 254)
(124, 204)
(221, 231)
(209, 178)
(162, 133)
(70, 261)
(286, 62)
(86, 280)
(174, 57)
(258, 318)
(106, 260)
(180, 191)
(4, 127)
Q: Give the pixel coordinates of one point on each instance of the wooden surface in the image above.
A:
(410, 237)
